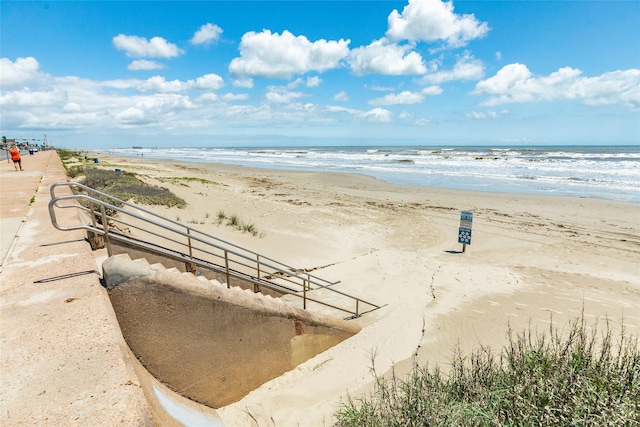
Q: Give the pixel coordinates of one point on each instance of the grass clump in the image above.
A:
(184, 180)
(235, 222)
(74, 171)
(249, 228)
(127, 186)
(576, 378)
(66, 155)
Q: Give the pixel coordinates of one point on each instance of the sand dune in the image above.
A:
(533, 259)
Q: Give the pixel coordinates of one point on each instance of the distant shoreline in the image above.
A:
(605, 172)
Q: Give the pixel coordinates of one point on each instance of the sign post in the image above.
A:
(464, 232)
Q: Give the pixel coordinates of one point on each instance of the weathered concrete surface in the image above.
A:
(209, 343)
(63, 361)
(169, 409)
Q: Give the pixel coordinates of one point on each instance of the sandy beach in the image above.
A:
(532, 260)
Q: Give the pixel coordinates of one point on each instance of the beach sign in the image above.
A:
(464, 231)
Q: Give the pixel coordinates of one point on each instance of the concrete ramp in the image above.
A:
(208, 343)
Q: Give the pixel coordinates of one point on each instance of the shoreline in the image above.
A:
(533, 259)
(564, 171)
(233, 168)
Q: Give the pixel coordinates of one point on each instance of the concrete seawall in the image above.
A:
(63, 360)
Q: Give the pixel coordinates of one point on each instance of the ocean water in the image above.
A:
(609, 172)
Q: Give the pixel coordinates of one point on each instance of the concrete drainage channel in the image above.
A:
(197, 345)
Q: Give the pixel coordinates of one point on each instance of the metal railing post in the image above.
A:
(256, 286)
(226, 268)
(93, 217)
(105, 227)
(258, 265)
(304, 297)
(189, 243)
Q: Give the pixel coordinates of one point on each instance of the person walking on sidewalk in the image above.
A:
(15, 156)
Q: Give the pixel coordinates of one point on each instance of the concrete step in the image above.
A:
(213, 282)
(203, 279)
(158, 266)
(216, 283)
(125, 256)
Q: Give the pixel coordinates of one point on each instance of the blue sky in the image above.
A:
(239, 73)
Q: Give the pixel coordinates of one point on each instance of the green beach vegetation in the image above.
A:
(120, 184)
(581, 377)
(237, 223)
(184, 180)
(127, 186)
(66, 155)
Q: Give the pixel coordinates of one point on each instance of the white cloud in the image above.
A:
(235, 97)
(282, 95)
(35, 98)
(160, 85)
(432, 90)
(433, 20)
(386, 58)
(139, 47)
(82, 104)
(381, 88)
(131, 114)
(72, 107)
(403, 98)
(246, 83)
(466, 68)
(341, 96)
(313, 81)
(120, 83)
(269, 54)
(515, 83)
(339, 109)
(295, 83)
(208, 82)
(407, 97)
(144, 64)
(376, 115)
(209, 96)
(487, 114)
(19, 72)
(207, 34)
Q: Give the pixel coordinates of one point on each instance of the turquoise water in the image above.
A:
(609, 172)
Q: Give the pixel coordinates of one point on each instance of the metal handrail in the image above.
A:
(201, 249)
(179, 224)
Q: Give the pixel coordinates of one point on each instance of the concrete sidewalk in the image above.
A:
(63, 360)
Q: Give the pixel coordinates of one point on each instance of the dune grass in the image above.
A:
(582, 377)
(127, 186)
(237, 223)
(124, 186)
(185, 180)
